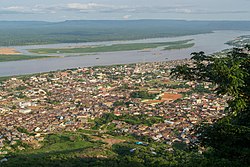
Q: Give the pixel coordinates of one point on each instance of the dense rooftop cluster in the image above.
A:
(70, 100)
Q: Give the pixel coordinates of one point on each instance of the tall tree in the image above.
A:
(230, 72)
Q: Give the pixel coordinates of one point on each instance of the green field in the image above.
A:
(181, 46)
(114, 48)
(4, 58)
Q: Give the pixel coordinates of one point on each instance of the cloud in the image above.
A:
(10, 12)
(177, 10)
(88, 6)
(107, 8)
(212, 12)
(14, 10)
(126, 11)
(37, 9)
(126, 16)
(94, 7)
(182, 10)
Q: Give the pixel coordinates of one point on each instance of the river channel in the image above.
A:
(209, 43)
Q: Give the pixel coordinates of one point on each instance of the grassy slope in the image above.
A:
(111, 48)
(57, 148)
(78, 149)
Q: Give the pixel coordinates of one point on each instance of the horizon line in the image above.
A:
(123, 20)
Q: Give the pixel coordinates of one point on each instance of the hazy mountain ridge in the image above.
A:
(216, 25)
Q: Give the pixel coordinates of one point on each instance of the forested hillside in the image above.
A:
(73, 31)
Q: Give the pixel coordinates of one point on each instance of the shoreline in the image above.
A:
(101, 42)
(209, 43)
(3, 78)
(115, 41)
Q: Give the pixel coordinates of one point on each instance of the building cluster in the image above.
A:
(69, 100)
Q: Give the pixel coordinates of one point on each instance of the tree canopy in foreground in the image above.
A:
(229, 137)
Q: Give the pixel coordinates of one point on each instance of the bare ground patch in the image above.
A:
(8, 51)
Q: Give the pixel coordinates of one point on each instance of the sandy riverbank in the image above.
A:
(8, 51)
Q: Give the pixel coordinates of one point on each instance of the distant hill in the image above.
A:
(73, 31)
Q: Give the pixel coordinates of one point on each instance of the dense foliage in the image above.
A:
(73, 31)
(229, 137)
(143, 95)
(78, 149)
(231, 74)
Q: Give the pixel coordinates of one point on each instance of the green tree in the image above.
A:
(143, 95)
(229, 137)
(230, 72)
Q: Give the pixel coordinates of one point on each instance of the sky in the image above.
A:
(60, 10)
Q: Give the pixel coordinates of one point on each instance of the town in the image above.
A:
(138, 99)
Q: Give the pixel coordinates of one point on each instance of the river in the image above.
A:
(209, 43)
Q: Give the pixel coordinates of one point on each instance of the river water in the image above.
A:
(209, 43)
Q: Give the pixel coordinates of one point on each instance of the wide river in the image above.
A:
(209, 43)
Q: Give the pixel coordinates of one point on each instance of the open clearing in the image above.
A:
(170, 96)
(109, 141)
(164, 97)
